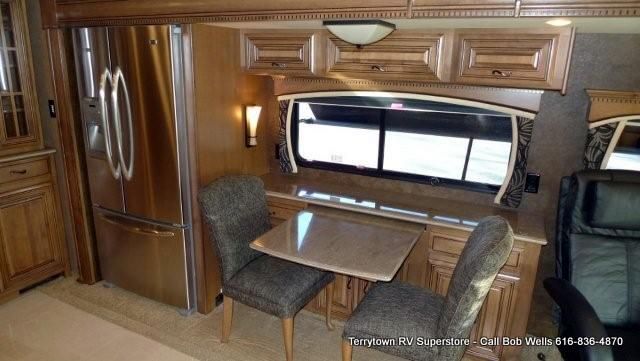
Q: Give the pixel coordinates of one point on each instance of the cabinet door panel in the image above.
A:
(279, 53)
(343, 296)
(399, 56)
(496, 312)
(28, 232)
(529, 60)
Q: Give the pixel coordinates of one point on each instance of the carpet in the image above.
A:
(255, 336)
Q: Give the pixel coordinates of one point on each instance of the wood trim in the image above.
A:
(60, 55)
(66, 13)
(606, 104)
(526, 100)
(577, 8)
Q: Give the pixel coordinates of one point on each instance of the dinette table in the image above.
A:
(360, 245)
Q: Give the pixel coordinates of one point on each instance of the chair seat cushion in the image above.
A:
(275, 286)
(394, 310)
(630, 348)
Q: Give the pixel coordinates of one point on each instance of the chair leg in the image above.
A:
(287, 332)
(347, 349)
(329, 302)
(227, 318)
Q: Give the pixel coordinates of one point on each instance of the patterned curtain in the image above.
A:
(513, 193)
(598, 141)
(283, 151)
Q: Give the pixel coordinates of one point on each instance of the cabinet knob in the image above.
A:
(278, 65)
(21, 171)
(378, 68)
(502, 74)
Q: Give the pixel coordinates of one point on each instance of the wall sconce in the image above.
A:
(252, 116)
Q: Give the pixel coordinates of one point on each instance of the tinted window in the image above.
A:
(626, 154)
(406, 139)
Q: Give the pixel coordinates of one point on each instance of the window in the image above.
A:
(626, 154)
(415, 140)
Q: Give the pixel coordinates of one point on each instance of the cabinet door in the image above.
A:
(410, 56)
(19, 117)
(528, 60)
(30, 237)
(279, 53)
(496, 313)
(343, 297)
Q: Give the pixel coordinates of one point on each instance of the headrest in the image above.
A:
(614, 205)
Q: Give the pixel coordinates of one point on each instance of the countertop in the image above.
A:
(527, 227)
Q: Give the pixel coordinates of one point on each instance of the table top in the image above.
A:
(360, 245)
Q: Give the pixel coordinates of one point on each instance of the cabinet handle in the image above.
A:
(278, 65)
(21, 171)
(349, 283)
(500, 73)
(378, 68)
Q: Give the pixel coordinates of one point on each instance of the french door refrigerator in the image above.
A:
(130, 83)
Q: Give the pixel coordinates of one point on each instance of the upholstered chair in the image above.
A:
(235, 209)
(395, 310)
(598, 274)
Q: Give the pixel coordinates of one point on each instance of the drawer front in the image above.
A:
(414, 57)
(281, 213)
(452, 243)
(524, 60)
(23, 169)
(279, 53)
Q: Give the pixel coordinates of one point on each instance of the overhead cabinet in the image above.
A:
(526, 58)
(411, 56)
(280, 53)
(538, 59)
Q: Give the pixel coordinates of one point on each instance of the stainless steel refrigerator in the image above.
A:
(130, 83)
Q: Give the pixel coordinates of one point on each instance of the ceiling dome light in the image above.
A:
(559, 22)
(360, 32)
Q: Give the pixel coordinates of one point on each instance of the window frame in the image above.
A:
(379, 172)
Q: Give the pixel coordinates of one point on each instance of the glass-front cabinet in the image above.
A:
(20, 130)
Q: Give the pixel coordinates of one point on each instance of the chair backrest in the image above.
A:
(235, 209)
(598, 242)
(486, 251)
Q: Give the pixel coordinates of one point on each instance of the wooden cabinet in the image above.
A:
(431, 265)
(290, 53)
(19, 117)
(32, 246)
(536, 59)
(403, 55)
(523, 58)
(281, 209)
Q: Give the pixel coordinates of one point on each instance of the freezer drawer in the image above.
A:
(144, 258)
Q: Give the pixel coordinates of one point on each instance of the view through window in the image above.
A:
(626, 154)
(409, 139)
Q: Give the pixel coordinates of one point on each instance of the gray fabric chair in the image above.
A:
(235, 208)
(392, 310)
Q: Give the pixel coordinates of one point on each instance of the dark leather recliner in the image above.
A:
(598, 263)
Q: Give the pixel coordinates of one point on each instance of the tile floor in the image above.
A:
(36, 327)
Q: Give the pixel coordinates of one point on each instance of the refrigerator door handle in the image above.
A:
(132, 227)
(107, 78)
(118, 77)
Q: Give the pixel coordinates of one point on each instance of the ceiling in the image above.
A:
(617, 25)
